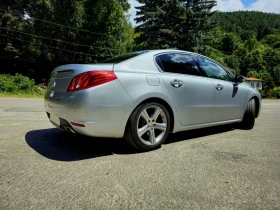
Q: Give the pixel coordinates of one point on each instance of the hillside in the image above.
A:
(249, 43)
(258, 22)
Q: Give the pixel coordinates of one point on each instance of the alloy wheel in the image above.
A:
(152, 125)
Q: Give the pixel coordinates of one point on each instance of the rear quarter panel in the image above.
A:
(134, 81)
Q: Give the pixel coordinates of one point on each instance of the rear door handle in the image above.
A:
(177, 83)
(219, 87)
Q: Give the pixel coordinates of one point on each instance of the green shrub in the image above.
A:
(18, 84)
(263, 93)
(270, 93)
(276, 92)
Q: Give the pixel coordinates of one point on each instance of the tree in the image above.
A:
(260, 23)
(272, 40)
(264, 31)
(174, 24)
(9, 20)
(229, 43)
(45, 33)
(276, 71)
(232, 62)
(145, 19)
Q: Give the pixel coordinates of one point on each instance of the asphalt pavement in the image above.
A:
(42, 167)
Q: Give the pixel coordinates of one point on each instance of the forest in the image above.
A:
(36, 36)
(248, 43)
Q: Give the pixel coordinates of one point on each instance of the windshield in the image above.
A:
(123, 57)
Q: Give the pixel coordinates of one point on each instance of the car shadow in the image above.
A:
(59, 145)
(193, 134)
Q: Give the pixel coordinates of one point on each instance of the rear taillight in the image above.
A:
(90, 79)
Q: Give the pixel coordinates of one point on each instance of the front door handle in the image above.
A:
(219, 87)
(177, 83)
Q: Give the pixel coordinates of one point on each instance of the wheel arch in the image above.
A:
(257, 107)
(163, 102)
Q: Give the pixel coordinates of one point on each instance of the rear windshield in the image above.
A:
(123, 57)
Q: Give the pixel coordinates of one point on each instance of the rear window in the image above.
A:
(123, 57)
(178, 63)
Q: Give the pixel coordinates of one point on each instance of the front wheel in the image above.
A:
(248, 121)
(148, 126)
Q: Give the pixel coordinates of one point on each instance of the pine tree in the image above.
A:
(145, 18)
(202, 22)
(175, 24)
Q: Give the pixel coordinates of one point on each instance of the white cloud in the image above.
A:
(229, 5)
(272, 6)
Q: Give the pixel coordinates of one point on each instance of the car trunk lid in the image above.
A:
(62, 76)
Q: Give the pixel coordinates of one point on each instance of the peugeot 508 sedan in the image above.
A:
(144, 96)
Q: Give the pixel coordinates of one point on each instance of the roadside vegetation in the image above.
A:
(248, 43)
(34, 37)
(19, 86)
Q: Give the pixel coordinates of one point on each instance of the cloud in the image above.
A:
(272, 6)
(229, 5)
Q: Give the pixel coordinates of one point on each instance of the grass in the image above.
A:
(20, 95)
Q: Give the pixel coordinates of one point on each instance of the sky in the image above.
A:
(272, 6)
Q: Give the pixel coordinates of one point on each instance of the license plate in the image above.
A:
(55, 119)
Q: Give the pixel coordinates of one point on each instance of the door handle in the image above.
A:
(219, 87)
(177, 83)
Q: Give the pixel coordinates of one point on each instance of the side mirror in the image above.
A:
(239, 79)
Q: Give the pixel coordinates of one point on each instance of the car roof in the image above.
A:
(159, 51)
(166, 51)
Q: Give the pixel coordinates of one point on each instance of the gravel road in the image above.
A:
(216, 168)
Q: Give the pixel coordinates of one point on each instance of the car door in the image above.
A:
(192, 93)
(229, 96)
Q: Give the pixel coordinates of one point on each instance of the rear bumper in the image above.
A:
(62, 124)
(103, 110)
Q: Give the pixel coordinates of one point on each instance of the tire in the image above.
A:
(248, 121)
(148, 126)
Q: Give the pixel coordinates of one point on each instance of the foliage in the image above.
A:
(18, 84)
(248, 23)
(271, 93)
(174, 24)
(36, 36)
(239, 45)
(276, 92)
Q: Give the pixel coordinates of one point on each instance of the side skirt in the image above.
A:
(205, 125)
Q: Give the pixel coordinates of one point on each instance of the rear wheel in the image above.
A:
(148, 126)
(248, 121)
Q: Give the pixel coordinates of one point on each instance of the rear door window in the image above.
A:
(213, 70)
(178, 63)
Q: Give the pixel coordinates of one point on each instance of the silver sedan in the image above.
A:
(144, 96)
